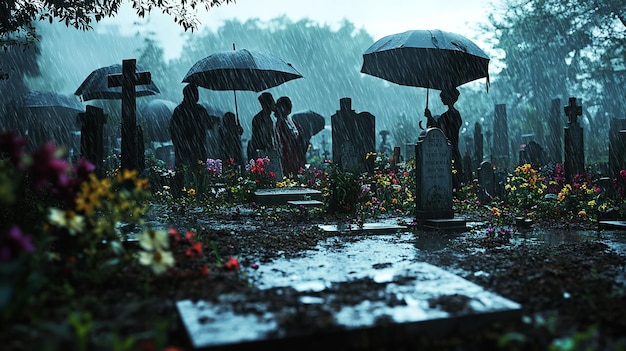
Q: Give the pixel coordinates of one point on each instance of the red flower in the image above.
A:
(232, 264)
(195, 250)
(272, 175)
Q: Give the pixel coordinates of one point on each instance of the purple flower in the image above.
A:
(13, 243)
(47, 168)
(13, 146)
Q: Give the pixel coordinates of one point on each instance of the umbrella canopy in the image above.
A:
(43, 116)
(154, 117)
(310, 121)
(96, 85)
(42, 108)
(426, 58)
(241, 70)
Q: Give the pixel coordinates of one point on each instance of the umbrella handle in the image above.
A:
(236, 109)
(427, 89)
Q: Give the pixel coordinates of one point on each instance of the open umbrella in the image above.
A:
(154, 117)
(247, 70)
(310, 121)
(46, 115)
(426, 58)
(96, 85)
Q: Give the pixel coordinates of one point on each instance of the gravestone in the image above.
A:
(433, 160)
(500, 156)
(486, 183)
(131, 145)
(92, 137)
(574, 146)
(468, 173)
(617, 147)
(395, 158)
(353, 137)
(532, 153)
(478, 145)
(554, 141)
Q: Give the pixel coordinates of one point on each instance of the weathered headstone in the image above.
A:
(131, 159)
(486, 183)
(433, 159)
(500, 155)
(532, 153)
(91, 136)
(617, 147)
(395, 158)
(554, 145)
(478, 145)
(574, 146)
(353, 137)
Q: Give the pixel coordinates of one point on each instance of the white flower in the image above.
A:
(67, 219)
(158, 260)
(154, 240)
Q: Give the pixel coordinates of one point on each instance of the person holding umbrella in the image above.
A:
(450, 123)
(264, 141)
(188, 128)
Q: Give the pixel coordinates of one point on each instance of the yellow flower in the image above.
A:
(125, 175)
(591, 203)
(495, 211)
(394, 201)
(67, 219)
(582, 213)
(158, 260)
(561, 196)
(191, 192)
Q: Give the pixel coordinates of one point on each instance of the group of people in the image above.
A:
(281, 141)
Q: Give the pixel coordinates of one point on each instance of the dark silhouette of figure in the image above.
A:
(188, 127)
(450, 123)
(230, 140)
(263, 133)
(384, 144)
(293, 147)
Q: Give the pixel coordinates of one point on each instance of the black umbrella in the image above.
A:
(244, 69)
(96, 85)
(426, 58)
(45, 115)
(154, 117)
(310, 121)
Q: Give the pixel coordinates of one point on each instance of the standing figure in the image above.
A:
(264, 141)
(450, 123)
(293, 147)
(188, 128)
(230, 136)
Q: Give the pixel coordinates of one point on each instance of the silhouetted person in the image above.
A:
(292, 144)
(230, 136)
(188, 127)
(263, 134)
(450, 123)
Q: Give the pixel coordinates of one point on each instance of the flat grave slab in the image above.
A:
(306, 203)
(375, 227)
(281, 196)
(612, 224)
(374, 288)
(456, 223)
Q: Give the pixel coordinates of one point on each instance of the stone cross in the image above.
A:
(572, 111)
(128, 80)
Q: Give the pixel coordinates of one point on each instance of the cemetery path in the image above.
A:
(571, 288)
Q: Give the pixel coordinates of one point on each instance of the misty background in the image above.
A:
(538, 54)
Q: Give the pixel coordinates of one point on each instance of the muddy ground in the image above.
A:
(572, 293)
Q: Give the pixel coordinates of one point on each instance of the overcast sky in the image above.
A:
(377, 17)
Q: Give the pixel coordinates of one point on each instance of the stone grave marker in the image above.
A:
(353, 137)
(532, 153)
(500, 156)
(554, 141)
(478, 145)
(433, 195)
(92, 136)
(486, 183)
(617, 147)
(574, 146)
(131, 145)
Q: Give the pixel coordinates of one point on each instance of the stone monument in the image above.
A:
(353, 137)
(574, 146)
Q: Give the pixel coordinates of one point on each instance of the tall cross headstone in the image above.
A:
(131, 159)
(433, 160)
(554, 142)
(500, 155)
(574, 146)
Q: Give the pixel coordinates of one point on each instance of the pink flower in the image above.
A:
(47, 168)
(13, 243)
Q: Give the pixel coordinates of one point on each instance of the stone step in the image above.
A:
(281, 196)
(306, 203)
